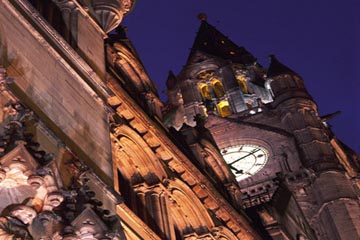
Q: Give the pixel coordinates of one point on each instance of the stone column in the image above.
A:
(69, 12)
(156, 213)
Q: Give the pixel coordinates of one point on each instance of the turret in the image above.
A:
(284, 83)
(326, 198)
(299, 115)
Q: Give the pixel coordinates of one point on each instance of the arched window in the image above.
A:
(134, 158)
(224, 108)
(205, 91)
(187, 211)
(242, 83)
(218, 87)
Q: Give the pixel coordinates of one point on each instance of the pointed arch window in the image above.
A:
(213, 94)
(205, 91)
(242, 83)
(218, 87)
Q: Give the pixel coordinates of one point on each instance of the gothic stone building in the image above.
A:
(88, 151)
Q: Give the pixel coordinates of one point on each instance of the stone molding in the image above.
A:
(178, 163)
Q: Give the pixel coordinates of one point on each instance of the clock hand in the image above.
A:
(259, 164)
(250, 153)
(237, 171)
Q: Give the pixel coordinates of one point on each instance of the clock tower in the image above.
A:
(259, 128)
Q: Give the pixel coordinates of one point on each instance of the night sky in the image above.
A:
(318, 39)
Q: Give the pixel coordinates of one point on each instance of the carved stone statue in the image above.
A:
(14, 225)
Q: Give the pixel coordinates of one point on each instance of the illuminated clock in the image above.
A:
(245, 160)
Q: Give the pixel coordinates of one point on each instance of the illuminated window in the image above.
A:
(242, 83)
(204, 91)
(224, 109)
(218, 87)
(205, 74)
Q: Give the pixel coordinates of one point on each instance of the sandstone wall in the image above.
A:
(55, 90)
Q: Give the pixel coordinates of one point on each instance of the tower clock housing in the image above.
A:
(245, 160)
(269, 136)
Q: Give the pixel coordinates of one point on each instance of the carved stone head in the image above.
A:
(23, 213)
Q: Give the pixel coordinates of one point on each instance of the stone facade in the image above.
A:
(295, 176)
(88, 151)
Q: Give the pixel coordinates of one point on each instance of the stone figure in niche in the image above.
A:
(14, 225)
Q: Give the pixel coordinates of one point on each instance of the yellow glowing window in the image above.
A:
(205, 74)
(224, 108)
(204, 91)
(242, 83)
(218, 87)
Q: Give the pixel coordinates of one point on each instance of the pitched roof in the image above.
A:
(209, 40)
(276, 68)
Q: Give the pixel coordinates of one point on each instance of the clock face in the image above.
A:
(245, 160)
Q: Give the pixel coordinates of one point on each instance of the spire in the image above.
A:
(202, 16)
(209, 40)
(171, 81)
(276, 68)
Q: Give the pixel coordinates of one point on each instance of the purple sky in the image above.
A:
(319, 39)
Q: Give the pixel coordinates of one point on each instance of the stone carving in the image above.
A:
(27, 175)
(24, 175)
(25, 180)
(110, 13)
(83, 216)
(14, 225)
